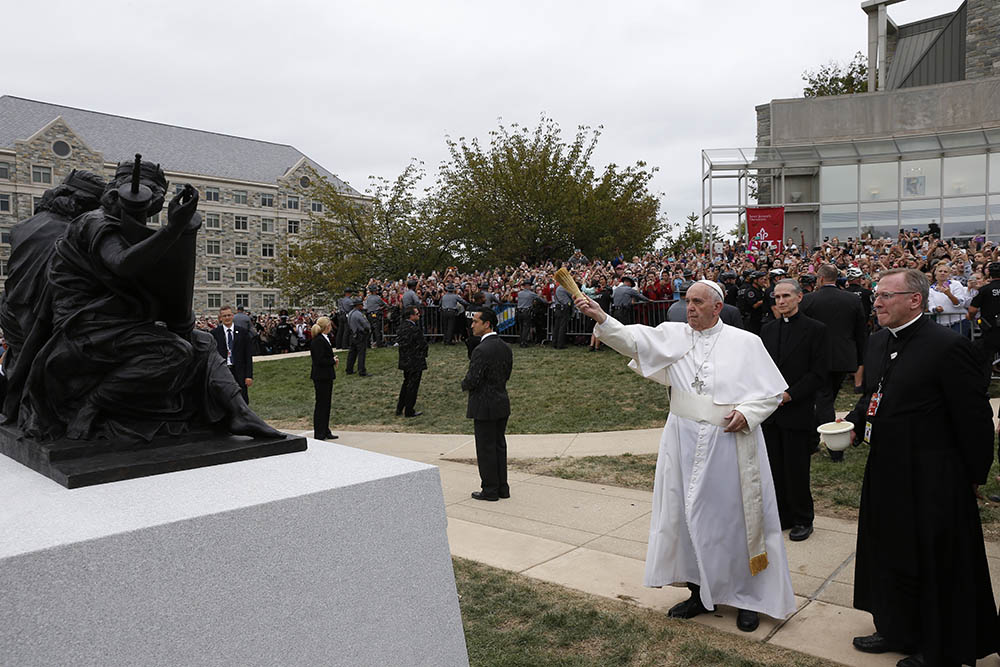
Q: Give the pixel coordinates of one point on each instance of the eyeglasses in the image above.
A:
(889, 295)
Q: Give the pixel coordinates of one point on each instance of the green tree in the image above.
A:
(384, 234)
(835, 78)
(529, 195)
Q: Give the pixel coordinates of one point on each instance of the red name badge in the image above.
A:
(873, 404)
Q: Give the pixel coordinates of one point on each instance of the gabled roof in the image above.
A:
(177, 149)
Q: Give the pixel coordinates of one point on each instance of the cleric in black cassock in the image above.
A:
(921, 566)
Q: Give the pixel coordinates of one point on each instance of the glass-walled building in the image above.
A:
(922, 150)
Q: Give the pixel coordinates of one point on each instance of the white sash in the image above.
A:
(697, 407)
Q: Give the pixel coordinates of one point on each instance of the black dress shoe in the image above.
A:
(505, 494)
(479, 495)
(399, 413)
(365, 375)
(689, 608)
(876, 643)
(799, 533)
(416, 414)
(747, 620)
(994, 497)
(916, 660)
(330, 436)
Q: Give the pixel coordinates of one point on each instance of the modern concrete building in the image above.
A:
(923, 148)
(252, 204)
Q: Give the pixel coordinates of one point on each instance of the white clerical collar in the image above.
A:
(711, 331)
(487, 335)
(895, 331)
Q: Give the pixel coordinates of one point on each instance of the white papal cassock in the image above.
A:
(697, 531)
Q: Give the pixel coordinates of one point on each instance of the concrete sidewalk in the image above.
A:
(592, 538)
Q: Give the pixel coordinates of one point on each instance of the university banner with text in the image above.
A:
(765, 227)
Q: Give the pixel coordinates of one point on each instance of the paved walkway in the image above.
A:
(592, 538)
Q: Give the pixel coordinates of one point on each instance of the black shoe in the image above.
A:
(415, 414)
(365, 375)
(479, 495)
(689, 608)
(799, 533)
(399, 413)
(994, 497)
(876, 643)
(746, 620)
(916, 660)
(505, 494)
(349, 372)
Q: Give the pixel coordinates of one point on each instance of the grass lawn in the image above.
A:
(551, 391)
(511, 621)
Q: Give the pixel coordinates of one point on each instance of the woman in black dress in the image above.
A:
(324, 363)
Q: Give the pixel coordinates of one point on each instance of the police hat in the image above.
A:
(757, 274)
(777, 272)
(374, 288)
(449, 288)
(685, 286)
(630, 279)
(526, 281)
(348, 290)
(854, 273)
(356, 301)
(728, 275)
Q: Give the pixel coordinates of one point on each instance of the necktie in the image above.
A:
(229, 345)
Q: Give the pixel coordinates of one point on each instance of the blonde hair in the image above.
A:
(321, 324)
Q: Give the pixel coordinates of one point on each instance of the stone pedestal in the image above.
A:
(332, 556)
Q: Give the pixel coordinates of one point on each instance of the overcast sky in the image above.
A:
(363, 87)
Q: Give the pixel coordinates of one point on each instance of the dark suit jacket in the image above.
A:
(321, 353)
(486, 381)
(844, 318)
(412, 347)
(731, 316)
(804, 362)
(242, 351)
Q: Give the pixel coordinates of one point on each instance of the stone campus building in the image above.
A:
(922, 147)
(251, 203)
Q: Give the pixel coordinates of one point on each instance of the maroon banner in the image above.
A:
(765, 228)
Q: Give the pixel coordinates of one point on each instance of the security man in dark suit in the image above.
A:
(844, 318)
(412, 360)
(234, 344)
(361, 331)
(489, 405)
(985, 307)
(753, 302)
(526, 298)
(345, 305)
(800, 348)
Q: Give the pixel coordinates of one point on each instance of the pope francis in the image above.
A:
(714, 523)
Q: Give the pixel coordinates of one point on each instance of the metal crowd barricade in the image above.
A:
(430, 323)
(650, 313)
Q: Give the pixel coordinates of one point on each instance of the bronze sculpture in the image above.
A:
(112, 363)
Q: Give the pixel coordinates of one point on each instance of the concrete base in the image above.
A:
(333, 556)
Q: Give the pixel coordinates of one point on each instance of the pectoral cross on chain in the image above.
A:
(698, 384)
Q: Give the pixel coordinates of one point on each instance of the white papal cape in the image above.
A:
(697, 530)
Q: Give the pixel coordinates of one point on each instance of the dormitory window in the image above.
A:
(4, 203)
(41, 175)
(241, 249)
(5, 236)
(243, 275)
(267, 225)
(267, 301)
(293, 251)
(239, 196)
(267, 250)
(240, 223)
(293, 202)
(242, 299)
(4, 170)
(211, 194)
(293, 226)
(267, 276)
(266, 199)
(212, 221)
(214, 300)
(214, 274)
(317, 207)
(213, 247)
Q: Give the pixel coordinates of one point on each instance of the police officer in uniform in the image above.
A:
(986, 307)
(732, 289)
(623, 297)
(283, 333)
(774, 275)
(490, 299)
(854, 276)
(361, 330)
(410, 298)
(375, 309)
(526, 298)
(345, 305)
(753, 302)
(562, 309)
(449, 312)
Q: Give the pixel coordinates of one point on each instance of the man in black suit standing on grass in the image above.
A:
(489, 405)
(800, 348)
(412, 360)
(844, 318)
(234, 345)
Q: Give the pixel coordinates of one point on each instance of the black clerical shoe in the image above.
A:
(479, 495)
(916, 660)
(505, 494)
(416, 414)
(330, 436)
(746, 620)
(877, 643)
(689, 608)
(799, 533)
